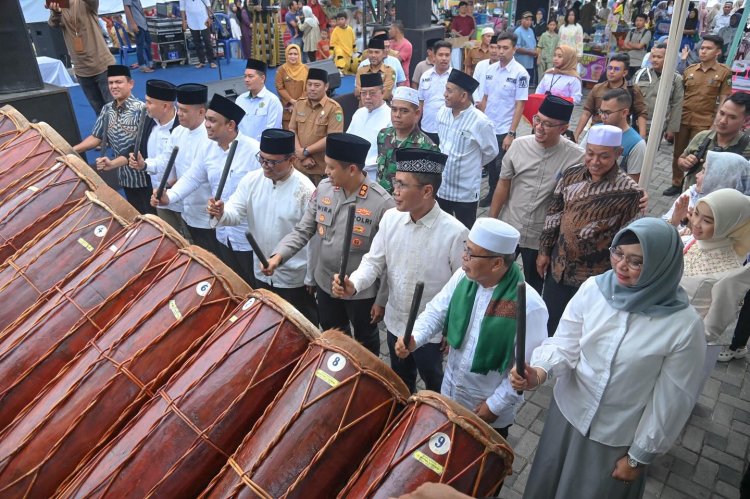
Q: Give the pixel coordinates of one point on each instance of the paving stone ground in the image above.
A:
(709, 458)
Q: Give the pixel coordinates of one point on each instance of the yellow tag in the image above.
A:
(33, 188)
(232, 319)
(428, 461)
(175, 311)
(85, 244)
(326, 377)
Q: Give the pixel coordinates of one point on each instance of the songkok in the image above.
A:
(376, 43)
(371, 80)
(493, 40)
(118, 70)
(161, 90)
(556, 108)
(347, 148)
(488, 31)
(192, 94)
(463, 80)
(317, 74)
(494, 235)
(277, 141)
(415, 160)
(226, 108)
(527, 14)
(256, 65)
(406, 94)
(604, 135)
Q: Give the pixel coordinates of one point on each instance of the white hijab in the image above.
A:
(309, 16)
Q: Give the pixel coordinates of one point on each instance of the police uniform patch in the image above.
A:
(358, 229)
(523, 82)
(321, 230)
(326, 200)
(364, 212)
(363, 191)
(322, 218)
(356, 242)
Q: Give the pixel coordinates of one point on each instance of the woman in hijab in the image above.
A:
(310, 33)
(690, 33)
(562, 79)
(290, 81)
(627, 357)
(540, 23)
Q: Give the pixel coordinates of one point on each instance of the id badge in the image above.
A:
(78, 43)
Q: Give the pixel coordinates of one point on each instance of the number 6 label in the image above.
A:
(203, 288)
(336, 362)
(440, 443)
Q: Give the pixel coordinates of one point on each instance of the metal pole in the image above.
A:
(364, 25)
(663, 94)
(737, 37)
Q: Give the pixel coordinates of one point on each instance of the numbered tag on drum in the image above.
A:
(336, 362)
(440, 443)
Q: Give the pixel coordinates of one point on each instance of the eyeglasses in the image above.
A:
(606, 114)
(270, 162)
(633, 262)
(614, 69)
(545, 124)
(469, 256)
(398, 185)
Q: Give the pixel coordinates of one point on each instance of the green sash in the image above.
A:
(497, 333)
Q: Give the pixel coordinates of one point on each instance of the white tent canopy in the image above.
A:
(34, 11)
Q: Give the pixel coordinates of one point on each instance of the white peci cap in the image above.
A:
(604, 135)
(494, 235)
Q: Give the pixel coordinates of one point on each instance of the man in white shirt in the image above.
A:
(722, 20)
(416, 226)
(371, 118)
(476, 313)
(432, 87)
(272, 201)
(196, 16)
(222, 119)
(503, 96)
(262, 108)
(467, 137)
(480, 70)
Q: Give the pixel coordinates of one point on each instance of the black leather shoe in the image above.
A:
(672, 191)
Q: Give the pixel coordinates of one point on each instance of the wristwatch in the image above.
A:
(632, 462)
(305, 153)
(512, 134)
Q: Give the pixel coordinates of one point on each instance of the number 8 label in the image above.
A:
(440, 443)
(336, 362)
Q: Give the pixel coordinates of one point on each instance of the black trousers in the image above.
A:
(434, 137)
(299, 298)
(202, 41)
(466, 213)
(205, 238)
(530, 275)
(427, 359)
(495, 165)
(742, 329)
(140, 198)
(338, 314)
(556, 296)
(96, 90)
(239, 261)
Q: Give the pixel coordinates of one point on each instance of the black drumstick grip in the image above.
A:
(167, 172)
(347, 243)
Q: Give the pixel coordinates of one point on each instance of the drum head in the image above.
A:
(15, 116)
(111, 201)
(287, 310)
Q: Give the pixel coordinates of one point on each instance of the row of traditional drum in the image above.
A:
(135, 365)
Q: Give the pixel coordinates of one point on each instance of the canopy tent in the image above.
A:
(34, 11)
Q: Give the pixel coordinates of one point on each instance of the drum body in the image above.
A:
(105, 385)
(318, 429)
(32, 150)
(205, 409)
(11, 124)
(53, 254)
(434, 440)
(49, 334)
(42, 201)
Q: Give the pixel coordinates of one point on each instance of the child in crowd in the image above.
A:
(342, 43)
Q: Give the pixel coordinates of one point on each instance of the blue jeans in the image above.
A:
(143, 47)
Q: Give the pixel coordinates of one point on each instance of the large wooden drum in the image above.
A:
(61, 249)
(205, 409)
(43, 200)
(34, 149)
(434, 440)
(105, 385)
(49, 334)
(11, 124)
(307, 444)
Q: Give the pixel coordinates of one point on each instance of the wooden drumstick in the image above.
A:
(225, 173)
(256, 249)
(139, 133)
(105, 126)
(347, 243)
(415, 302)
(165, 177)
(521, 330)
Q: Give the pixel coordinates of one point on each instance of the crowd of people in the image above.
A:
(610, 292)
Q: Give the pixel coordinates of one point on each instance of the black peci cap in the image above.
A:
(161, 90)
(277, 141)
(226, 108)
(347, 148)
(192, 94)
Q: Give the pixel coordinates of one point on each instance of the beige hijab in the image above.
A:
(570, 62)
(731, 211)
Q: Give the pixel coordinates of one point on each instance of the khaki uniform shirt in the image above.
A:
(325, 220)
(312, 121)
(702, 90)
(594, 100)
(389, 79)
(476, 54)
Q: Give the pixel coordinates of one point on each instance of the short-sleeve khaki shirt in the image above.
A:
(595, 97)
(476, 54)
(389, 79)
(312, 121)
(703, 87)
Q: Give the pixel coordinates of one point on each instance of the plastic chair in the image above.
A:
(222, 25)
(123, 39)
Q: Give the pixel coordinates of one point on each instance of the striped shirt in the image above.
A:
(582, 220)
(122, 127)
(469, 141)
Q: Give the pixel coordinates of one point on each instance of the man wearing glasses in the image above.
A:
(617, 71)
(272, 201)
(416, 227)
(530, 171)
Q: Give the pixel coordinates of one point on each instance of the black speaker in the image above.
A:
(52, 105)
(334, 77)
(49, 42)
(418, 39)
(20, 70)
(230, 88)
(414, 14)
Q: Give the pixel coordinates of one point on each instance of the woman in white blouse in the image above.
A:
(562, 79)
(571, 33)
(627, 356)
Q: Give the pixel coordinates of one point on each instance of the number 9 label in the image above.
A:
(336, 362)
(440, 443)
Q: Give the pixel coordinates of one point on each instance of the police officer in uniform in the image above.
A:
(376, 54)
(313, 118)
(326, 216)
